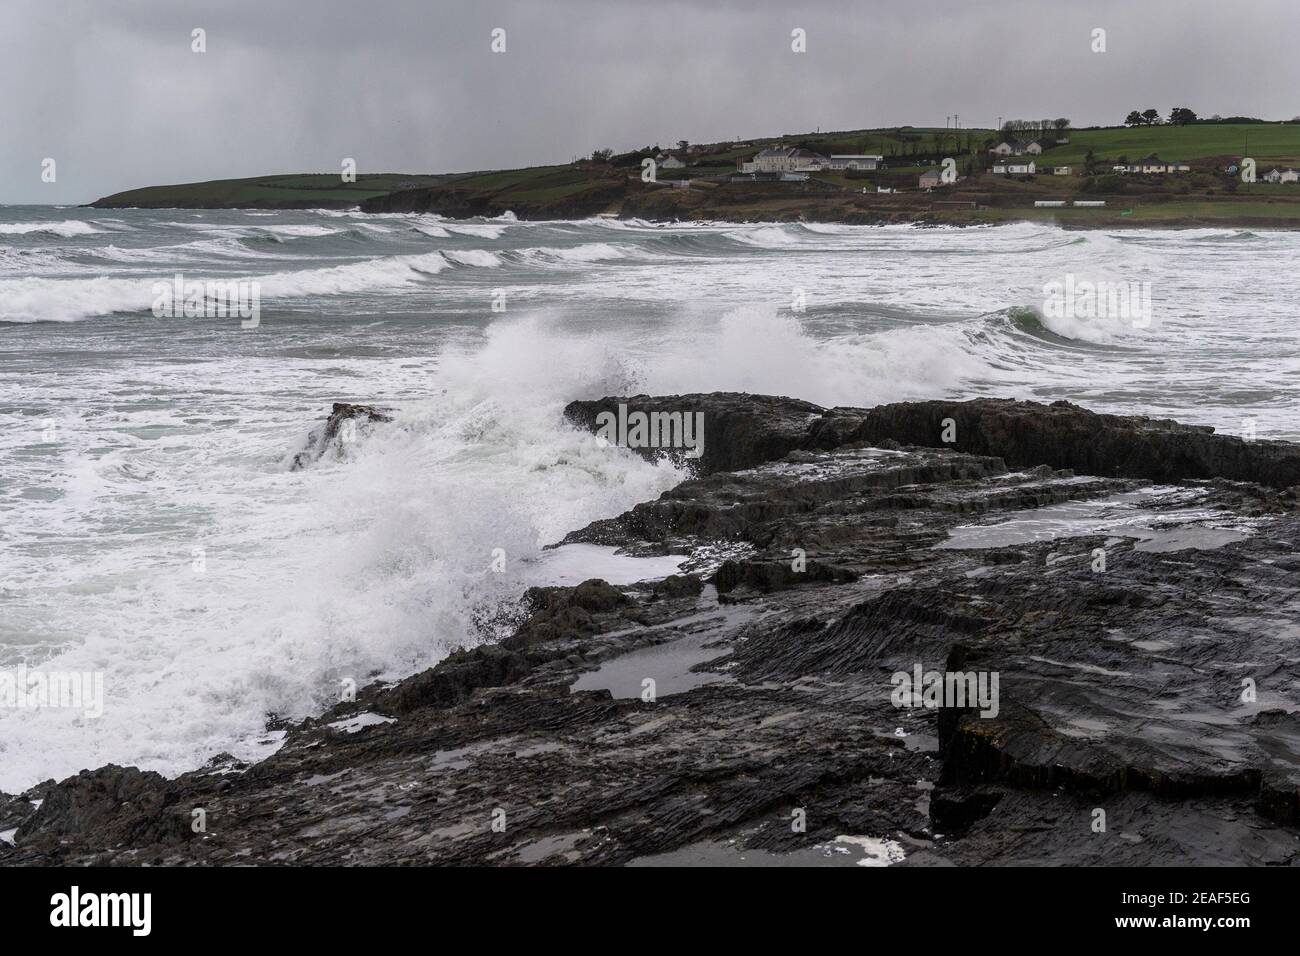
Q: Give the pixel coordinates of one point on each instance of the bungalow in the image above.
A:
(1289, 175)
(1063, 171)
(1014, 169)
(931, 179)
(858, 161)
(672, 162)
(1281, 176)
(1017, 147)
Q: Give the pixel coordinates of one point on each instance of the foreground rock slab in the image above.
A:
(1119, 595)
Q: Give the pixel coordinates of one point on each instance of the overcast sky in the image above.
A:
(113, 92)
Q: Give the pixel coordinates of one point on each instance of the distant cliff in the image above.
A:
(300, 191)
(558, 192)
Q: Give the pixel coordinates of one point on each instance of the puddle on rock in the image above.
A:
(1128, 515)
(668, 664)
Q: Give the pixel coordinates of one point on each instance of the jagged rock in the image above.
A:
(768, 576)
(106, 808)
(330, 436)
(1063, 435)
(454, 679)
(560, 613)
(740, 430)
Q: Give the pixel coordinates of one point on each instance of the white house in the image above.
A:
(931, 179)
(1289, 175)
(1063, 171)
(780, 159)
(853, 161)
(672, 162)
(1014, 169)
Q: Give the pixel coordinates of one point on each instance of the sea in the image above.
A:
(153, 531)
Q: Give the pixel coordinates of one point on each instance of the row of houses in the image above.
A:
(1152, 164)
(1287, 175)
(1018, 147)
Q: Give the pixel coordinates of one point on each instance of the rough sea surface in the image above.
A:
(151, 528)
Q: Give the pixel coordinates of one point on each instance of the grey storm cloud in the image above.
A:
(113, 92)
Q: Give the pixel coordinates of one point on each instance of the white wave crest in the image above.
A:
(67, 229)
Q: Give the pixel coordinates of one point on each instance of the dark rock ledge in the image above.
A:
(1120, 689)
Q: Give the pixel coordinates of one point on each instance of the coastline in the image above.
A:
(855, 216)
(772, 682)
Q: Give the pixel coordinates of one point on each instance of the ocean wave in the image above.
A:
(587, 252)
(765, 237)
(298, 231)
(480, 258)
(36, 299)
(66, 229)
(479, 230)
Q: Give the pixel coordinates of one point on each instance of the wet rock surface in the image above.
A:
(1132, 584)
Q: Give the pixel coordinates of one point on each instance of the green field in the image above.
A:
(1274, 143)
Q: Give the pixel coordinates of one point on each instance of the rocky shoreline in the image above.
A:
(1129, 586)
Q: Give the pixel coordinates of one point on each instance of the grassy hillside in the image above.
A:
(586, 188)
(268, 192)
(537, 192)
(1275, 143)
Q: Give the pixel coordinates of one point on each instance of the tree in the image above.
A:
(1181, 116)
(1134, 119)
(1061, 123)
(601, 155)
(682, 144)
(1090, 163)
(1151, 117)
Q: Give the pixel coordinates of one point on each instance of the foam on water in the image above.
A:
(375, 566)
